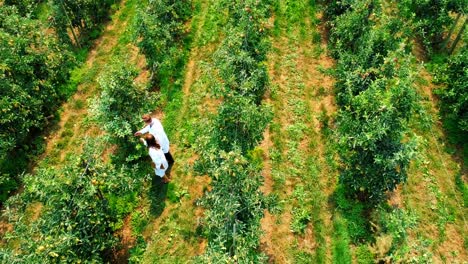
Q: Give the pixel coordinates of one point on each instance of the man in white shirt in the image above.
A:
(155, 128)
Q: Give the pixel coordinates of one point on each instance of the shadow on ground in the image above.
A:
(157, 195)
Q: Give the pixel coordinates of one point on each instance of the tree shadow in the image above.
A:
(157, 196)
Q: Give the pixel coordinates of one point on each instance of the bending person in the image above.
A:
(159, 163)
(155, 128)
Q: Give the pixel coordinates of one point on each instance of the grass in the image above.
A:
(341, 252)
(297, 168)
(173, 232)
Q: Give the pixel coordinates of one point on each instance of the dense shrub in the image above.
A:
(234, 209)
(25, 7)
(375, 157)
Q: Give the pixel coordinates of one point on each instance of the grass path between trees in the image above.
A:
(172, 231)
(116, 40)
(431, 192)
(298, 167)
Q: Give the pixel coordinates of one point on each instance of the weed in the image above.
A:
(137, 251)
(66, 134)
(175, 194)
(354, 212)
(316, 37)
(364, 255)
(256, 157)
(396, 223)
(78, 104)
(139, 221)
(462, 187)
(301, 217)
(302, 257)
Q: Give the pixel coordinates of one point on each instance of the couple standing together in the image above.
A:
(158, 147)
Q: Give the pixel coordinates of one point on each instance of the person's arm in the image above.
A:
(142, 131)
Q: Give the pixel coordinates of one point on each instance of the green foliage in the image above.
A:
(25, 7)
(430, 19)
(376, 97)
(364, 255)
(334, 8)
(160, 28)
(240, 124)
(175, 194)
(351, 26)
(120, 205)
(241, 55)
(33, 67)
(239, 63)
(354, 216)
(454, 97)
(462, 187)
(341, 252)
(137, 251)
(235, 205)
(234, 208)
(119, 107)
(256, 156)
(396, 223)
(300, 219)
(75, 221)
(79, 16)
(371, 129)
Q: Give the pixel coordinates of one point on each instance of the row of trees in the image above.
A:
(32, 70)
(375, 95)
(160, 27)
(235, 205)
(81, 203)
(35, 67)
(454, 98)
(431, 20)
(75, 21)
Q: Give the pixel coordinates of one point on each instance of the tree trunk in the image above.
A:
(460, 33)
(447, 39)
(71, 25)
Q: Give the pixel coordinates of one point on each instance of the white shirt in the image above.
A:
(159, 159)
(156, 129)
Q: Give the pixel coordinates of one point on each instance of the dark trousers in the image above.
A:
(170, 161)
(169, 158)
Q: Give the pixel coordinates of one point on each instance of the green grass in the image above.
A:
(341, 251)
(462, 187)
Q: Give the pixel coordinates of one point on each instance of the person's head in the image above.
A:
(151, 141)
(146, 118)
